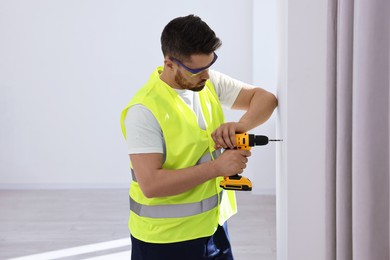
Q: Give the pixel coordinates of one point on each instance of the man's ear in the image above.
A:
(168, 63)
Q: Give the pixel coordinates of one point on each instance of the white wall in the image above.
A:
(67, 68)
(301, 123)
(265, 56)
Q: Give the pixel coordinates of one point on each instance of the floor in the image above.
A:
(92, 224)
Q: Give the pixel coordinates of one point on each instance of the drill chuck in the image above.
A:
(255, 140)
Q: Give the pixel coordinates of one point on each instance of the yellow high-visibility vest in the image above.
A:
(196, 212)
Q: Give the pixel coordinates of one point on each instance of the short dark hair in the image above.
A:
(188, 35)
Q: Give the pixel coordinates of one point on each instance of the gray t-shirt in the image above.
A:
(143, 132)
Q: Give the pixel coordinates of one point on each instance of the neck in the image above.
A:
(169, 79)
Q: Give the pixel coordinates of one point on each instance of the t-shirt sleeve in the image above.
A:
(227, 88)
(143, 132)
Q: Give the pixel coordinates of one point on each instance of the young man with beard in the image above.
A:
(175, 129)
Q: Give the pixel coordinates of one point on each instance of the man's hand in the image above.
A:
(225, 135)
(231, 162)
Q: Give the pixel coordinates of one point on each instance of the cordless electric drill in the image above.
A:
(244, 141)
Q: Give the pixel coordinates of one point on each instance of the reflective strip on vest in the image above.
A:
(205, 158)
(175, 210)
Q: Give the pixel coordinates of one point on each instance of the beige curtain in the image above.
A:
(357, 149)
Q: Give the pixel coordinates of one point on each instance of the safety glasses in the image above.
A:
(195, 72)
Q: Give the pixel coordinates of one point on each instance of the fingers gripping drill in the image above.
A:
(244, 141)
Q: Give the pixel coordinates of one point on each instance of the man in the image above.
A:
(175, 129)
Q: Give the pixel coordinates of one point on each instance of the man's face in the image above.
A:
(185, 78)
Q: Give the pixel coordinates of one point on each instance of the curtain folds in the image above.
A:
(357, 145)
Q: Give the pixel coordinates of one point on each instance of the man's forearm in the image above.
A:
(260, 110)
(173, 182)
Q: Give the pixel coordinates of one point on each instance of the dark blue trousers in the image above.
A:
(215, 247)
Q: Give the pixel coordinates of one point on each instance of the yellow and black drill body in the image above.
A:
(244, 141)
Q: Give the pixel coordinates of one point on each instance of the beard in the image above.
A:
(185, 84)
